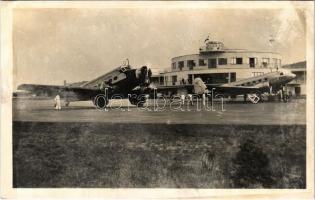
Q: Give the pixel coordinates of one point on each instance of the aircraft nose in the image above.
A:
(292, 75)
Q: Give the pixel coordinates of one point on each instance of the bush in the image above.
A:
(251, 167)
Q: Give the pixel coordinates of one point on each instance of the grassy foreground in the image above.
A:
(158, 155)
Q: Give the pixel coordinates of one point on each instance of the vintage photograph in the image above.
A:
(167, 97)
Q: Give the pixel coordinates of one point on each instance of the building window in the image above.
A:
(265, 62)
(222, 61)
(212, 63)
(191, 64)
(252, 62)
(174, 65)
(166, 80)
(181, 65)
(239, 61)
(232, 77)
(214, 78)
(275, 62)
(202, 62)
(174, 80)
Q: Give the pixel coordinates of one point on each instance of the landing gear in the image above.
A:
(67, 103)
(138, 100)
(100, 101)
(254, 97)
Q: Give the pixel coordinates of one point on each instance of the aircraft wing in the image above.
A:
(172, 87)
(74, 93)
(236, 90)
(222, 89)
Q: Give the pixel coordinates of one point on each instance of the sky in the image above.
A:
(53, 44)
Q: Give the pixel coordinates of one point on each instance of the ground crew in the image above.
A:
(204, 99)
(182, 98)
(190, 99)
(57, 102)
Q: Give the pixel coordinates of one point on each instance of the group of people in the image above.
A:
(190, 101)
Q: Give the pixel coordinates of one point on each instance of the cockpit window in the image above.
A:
(123, 69)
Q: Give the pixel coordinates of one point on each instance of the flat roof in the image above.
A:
(228, 51)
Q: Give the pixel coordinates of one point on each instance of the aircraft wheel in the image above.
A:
(100, 102)
(254, 97)
(138, 101)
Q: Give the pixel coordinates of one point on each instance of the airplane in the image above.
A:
(123, 80)
(134, 84)
(251, 88)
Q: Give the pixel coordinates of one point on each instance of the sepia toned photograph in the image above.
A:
(161, 97)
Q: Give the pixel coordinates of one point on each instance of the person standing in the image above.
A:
(190, 99)
(57, 102)
(182, 98)
(204, 99)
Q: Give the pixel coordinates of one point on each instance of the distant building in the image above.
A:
(298, 85)
(216, 64)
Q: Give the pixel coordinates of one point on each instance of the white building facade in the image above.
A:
(216, 64)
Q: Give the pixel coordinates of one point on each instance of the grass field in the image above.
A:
(158, 155)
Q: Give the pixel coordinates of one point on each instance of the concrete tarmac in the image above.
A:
(293, 112)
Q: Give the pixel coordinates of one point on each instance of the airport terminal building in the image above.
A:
(216, 64)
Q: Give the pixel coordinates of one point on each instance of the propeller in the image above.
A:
(144, 75)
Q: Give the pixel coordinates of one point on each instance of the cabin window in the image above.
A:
(222, 61)
(181, 65)
(202, 62)
(191, 64)
(258, 73)
(174, 65)
(115, 78)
